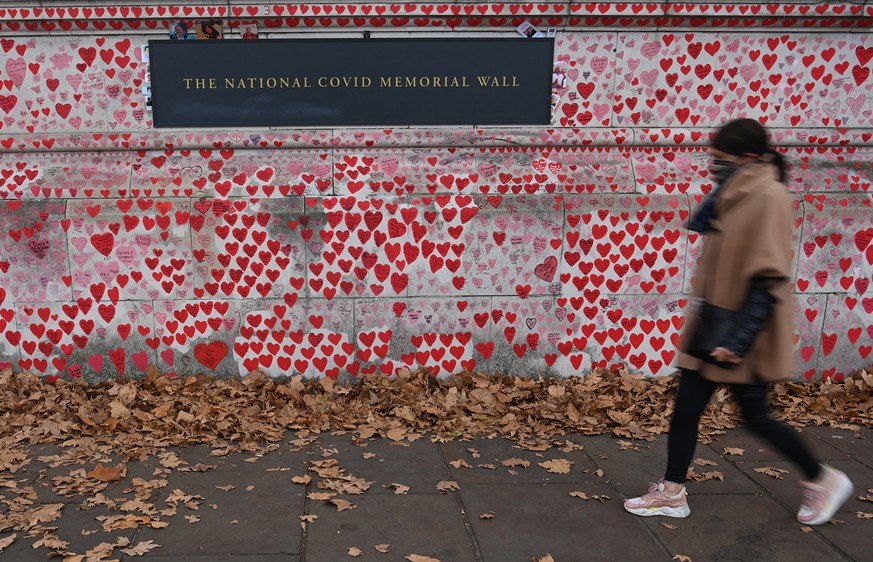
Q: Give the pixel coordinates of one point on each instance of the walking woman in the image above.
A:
(744, 274)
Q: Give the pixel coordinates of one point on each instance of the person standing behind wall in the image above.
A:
(745, 269)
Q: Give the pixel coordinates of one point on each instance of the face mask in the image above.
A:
(721, 169)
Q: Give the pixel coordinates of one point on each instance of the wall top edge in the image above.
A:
(328, 139)
(509, 9)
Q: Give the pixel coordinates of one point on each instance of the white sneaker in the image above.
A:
(822, 499)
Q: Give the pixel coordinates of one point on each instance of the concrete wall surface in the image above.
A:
(341, 251)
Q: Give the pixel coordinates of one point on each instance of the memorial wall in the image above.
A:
(348, 249)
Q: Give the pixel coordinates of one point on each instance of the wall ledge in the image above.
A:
(363, 138)
(109, 17)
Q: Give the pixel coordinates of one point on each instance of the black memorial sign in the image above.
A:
(323, 82)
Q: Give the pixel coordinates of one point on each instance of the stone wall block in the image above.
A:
(228, 172)
(443, 335)
(623, 244)
(66, 175)
(847, 335)
(531, 170)
(130, 249)
(582, 79)
(486, 245)
(672, 170)
(836, 254)
(66, 83)
(828, 170)
(311, 337)
(197, 336)
(358, 247)
(87, 338)
(247, 248)
(35, 258)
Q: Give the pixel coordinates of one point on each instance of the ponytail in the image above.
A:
(778, 160)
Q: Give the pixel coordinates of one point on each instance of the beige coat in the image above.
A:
(751, 238)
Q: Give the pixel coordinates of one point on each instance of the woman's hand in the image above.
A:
(725, 355)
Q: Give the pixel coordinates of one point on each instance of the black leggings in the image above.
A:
(691, 400)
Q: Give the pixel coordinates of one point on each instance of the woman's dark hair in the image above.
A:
(747, 136)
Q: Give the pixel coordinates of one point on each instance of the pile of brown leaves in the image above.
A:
(140, 418)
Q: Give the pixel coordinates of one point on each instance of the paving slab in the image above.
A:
(423, 524)
(757, 449)
(631, 471)
(856, 444)
(787, 490)
(70, 526)
(47, 488)
(216, 558)
(764, 531)
(532, 520)
(35, 452)
(286, 456)
(418, 465)
(853, 536)
(261, 515)
(493, 452)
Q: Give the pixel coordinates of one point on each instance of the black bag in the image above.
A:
(713, 326)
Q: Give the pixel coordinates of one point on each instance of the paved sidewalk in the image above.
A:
(529, 512)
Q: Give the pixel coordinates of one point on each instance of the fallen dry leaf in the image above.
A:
(864, 514)
(305, 479)
(557, 466)
(770, 471)
(447, 486)
(420, 558)
(487, 515)
(669, 526)
(227, 488)
(682, 558)
(709, 475)
(460, 463)
(354, 552)
(398, 488)
(580, 495)
(108, 473)
(343, 505)
(6, 541)
(100, 552)
(320, 496)
(704, 462)
(514, 462)
(140, 548)
(806, 529)
(383, 548)
(546, 558)
(734, 451)
(192, 518)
